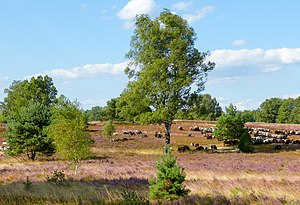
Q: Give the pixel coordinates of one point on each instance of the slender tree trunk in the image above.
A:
(167, 136)
(76, 168)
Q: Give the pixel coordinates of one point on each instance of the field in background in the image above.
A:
(129, 161)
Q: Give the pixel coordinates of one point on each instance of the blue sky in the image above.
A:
(81, 45)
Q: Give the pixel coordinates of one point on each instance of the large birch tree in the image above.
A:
(165, 67)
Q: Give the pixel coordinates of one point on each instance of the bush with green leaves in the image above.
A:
(108, 129)
(168, 184)
(68, 130)
(245, 143)
(131, 197)
(229, 125)
(58, 177)
(27, 184)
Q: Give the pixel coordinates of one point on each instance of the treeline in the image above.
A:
(275, 110)
(198, 107)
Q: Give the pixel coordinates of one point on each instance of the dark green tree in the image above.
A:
(249, 115)
(269, 110)
(285, 111)
(164, 66)
(131, 107)
(295, 114)
(111, 109)
(97, 113)
(20, 93)
(200, 107)
(245, 143)
(68, 130)
(230, 125)
(168, 184)
(27, 130)
(26, 110)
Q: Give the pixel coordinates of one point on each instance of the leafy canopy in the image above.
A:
(26, 109)
(230, 125)
(164, 64)
(68, 130)
(20, 93)
(108, 129)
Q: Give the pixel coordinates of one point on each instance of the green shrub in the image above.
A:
(168, 183)
(27, 184)
(245, 144)
(108, 129)
(131, 198)
(58, 177)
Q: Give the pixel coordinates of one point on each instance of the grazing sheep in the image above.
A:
(180, 128)
(183, 148)
(199, 148)
(213, 147)
(158, 134)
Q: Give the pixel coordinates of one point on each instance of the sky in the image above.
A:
(82, 45)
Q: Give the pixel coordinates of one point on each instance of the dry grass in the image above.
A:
(236, 178)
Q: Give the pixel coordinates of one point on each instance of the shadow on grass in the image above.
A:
(71, 191)
(109, 192)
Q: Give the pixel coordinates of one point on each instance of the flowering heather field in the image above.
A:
(213, 178)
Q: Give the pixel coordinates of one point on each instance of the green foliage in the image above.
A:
(200, 107)
(68, 129)
(111, 109)
(229, 125)
(20, 93)
(269, 110)
(286, 112)
(27, 184)
(26, 130)
(131, 198)
(108, 129)
(131, 105)
(58, 177)
(164, 64)
(245, 143)
(2, 117)
(168, 183)
(97, 113)
(249, 116)
(26, 109)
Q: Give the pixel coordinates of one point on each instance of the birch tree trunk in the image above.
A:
(167, 136)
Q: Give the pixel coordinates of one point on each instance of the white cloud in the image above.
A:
(87, 104)
(3, 79)
(89, 70)
(135, 7)
(239, 42)
(224, 80)
(180, 6)
(267, 60)
(199, 15)
(247, 104)
(295, 95)
(128, 24)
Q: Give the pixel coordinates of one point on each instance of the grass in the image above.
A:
(218, 178)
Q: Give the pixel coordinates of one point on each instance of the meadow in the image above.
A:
(225, 177)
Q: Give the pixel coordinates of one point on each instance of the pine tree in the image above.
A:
(245, 144)
(168, 183)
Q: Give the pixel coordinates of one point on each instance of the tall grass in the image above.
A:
(218, 178)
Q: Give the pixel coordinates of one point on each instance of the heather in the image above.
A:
(214, 178)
